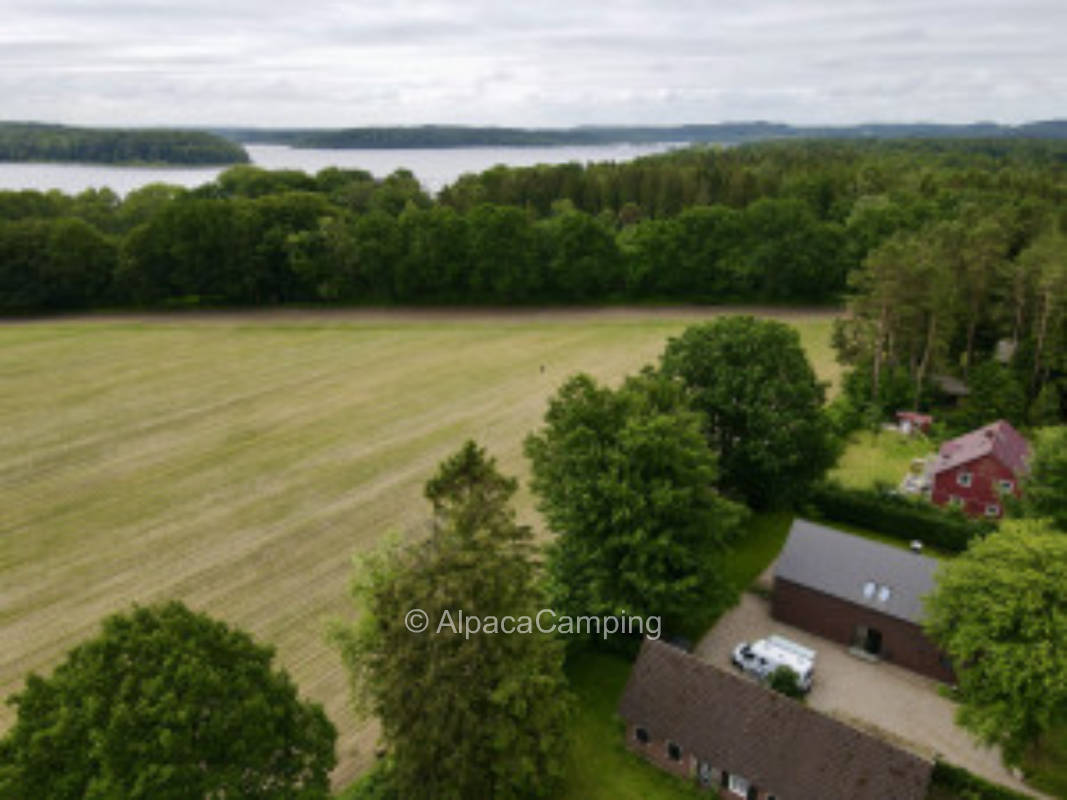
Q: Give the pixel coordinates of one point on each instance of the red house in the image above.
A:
(975, 471)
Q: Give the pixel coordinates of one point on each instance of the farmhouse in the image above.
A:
(975, 471)
(861, 593)
(698, 721)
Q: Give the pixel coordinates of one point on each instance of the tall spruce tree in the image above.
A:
(462, 716)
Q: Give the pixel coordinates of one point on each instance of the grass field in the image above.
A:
(878, 458)
(239, 462)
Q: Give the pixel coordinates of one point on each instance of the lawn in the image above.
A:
(878, 458)
(238, 462)
(600, 767)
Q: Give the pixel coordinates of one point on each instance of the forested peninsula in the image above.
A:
(27, 141)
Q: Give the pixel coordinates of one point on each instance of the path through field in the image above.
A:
(238, 462)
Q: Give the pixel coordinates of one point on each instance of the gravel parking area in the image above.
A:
(895, 703)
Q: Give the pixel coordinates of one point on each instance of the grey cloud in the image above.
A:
(556, 62)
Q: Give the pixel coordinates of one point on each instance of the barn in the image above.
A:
(858, 592)
(976, 471)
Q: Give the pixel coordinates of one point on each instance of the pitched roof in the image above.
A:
(774, 742)
(843, 565)
(1000, 439)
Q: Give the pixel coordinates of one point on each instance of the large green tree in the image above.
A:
(625, 480)
(464, 716)
(1000, 612)
(1045, 488)
(762, 405)
(166, 704)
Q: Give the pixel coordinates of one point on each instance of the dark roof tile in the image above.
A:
(776, 743)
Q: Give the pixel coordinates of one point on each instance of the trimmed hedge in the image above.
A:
(968, 786)
(897, 516)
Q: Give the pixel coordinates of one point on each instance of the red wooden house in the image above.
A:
(975, 471)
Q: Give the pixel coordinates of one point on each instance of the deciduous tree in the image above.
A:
(762, 406)
(166, 704)
(625, 479)
(1000, 612)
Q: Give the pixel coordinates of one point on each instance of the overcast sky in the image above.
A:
(531, 62)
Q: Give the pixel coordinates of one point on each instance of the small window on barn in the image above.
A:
(964, 479)
(884, 593)
(1005, 485)
(641, 734)
(674, 752)
(992, 510)
(957, 502)
(869, 589)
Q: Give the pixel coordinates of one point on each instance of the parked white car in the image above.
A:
(764, 656)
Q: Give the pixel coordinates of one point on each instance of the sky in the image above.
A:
(551, 63)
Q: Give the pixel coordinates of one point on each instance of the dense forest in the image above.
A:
(771, 222)
(721, 133)
(36, 142)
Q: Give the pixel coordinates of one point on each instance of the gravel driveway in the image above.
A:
(895, 703)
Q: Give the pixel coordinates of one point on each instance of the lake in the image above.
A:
(434, 168)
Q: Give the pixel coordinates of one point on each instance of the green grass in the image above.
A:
(600, 767)
(760, 543)
(1045, 764)
(878, 458)
(238, 462)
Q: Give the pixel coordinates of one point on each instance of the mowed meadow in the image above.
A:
(239, 462)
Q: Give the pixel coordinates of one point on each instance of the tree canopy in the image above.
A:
(481, 715)
(762, 406)
(999, 611)
(166, 704)
(625, 479)
(1045, 487)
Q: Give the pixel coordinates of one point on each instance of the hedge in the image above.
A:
(896, 516)
(970, 787)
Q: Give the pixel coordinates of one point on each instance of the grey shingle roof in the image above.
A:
(841, 565)
(774, 742)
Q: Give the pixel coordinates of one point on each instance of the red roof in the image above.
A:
(1000, 440)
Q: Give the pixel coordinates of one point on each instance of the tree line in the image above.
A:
(774, 222)
(718, 133)
(38, 142)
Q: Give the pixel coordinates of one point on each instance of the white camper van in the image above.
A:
(762, 657)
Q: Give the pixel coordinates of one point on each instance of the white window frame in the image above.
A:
(870, 589)
(992, 510)
(738, 785)
(1006, 485)
(965, 479)
(884, 593)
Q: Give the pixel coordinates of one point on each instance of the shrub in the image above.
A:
(898, 517)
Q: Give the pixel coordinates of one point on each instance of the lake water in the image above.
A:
(434, 168)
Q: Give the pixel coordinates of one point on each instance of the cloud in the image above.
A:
(556, 62)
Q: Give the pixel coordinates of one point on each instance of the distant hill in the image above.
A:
(30, 141)
(443, 136)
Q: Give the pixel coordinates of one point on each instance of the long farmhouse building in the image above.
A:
(698, 721)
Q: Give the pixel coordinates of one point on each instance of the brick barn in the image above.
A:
(860, 593)
(975, 471)
(697, 721)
